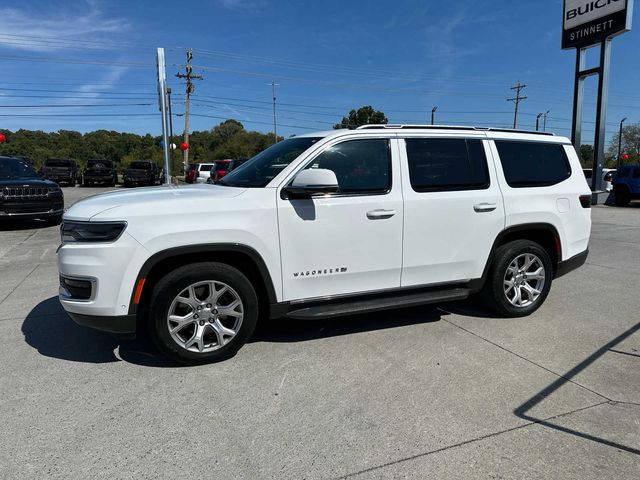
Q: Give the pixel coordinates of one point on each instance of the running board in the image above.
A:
(353, 307)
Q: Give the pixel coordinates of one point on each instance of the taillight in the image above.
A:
(221, 173)
(585, 201)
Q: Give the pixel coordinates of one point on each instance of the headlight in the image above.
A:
(90, 232)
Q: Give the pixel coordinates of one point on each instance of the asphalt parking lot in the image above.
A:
(435, 392)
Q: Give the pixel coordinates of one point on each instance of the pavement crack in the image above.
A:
(467, 442)
(19, 284)
(567, 379)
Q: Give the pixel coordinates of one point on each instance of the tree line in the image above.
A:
(229, 139)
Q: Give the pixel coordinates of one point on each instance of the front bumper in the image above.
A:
(120, 325)
(31, 210)
(572, 263)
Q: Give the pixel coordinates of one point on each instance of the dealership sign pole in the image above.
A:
(585, 24)
(162, 105)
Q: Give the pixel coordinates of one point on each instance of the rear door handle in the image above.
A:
(485, 207)
(380, 214)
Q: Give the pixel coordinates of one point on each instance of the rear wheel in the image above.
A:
(622, 195)
(202, 313)
(519, 279)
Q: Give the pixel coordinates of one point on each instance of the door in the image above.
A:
(453, 208)
(350, 241)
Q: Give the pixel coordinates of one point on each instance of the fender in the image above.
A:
(158, 257)
(476, 285)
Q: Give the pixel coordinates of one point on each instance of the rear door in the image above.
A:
(453, 207)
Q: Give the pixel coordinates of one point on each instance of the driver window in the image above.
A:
(361, 166)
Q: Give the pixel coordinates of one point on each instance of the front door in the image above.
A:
(351, 241)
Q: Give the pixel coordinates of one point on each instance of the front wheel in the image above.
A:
(202, 313)
(519, 279)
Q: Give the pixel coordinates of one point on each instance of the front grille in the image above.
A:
(27, 193)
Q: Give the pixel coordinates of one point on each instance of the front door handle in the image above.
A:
(485, 207)
(380, 214)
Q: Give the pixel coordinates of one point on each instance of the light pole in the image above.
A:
(620, 140)
(538, 121)
(544, 123)
(433, 115)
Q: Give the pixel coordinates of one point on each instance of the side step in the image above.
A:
(353, 307)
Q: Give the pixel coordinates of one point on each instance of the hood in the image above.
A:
(116, 204)
(24, 182)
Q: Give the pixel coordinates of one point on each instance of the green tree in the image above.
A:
(630, 144)
(586, 155)
(363, 116)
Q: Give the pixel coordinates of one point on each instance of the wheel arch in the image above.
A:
(242, 257)
(545, 234)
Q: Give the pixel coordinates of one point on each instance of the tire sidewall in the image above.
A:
(171, 285)
(503, 258)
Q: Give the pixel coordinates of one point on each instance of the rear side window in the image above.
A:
(440, 164)
(533, 164)
(205, 168)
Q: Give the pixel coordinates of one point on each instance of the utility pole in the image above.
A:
(538, 121)
(189, 90)
(544, 124)
(433, 115)
(517, 99)
(620, 140)
(275, 130)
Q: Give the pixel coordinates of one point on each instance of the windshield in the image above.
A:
(261, 169)
(58, 163)
(15, 168)
(99, 164)
(140, 165)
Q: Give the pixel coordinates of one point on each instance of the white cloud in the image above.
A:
(243, 5)
(37, 30)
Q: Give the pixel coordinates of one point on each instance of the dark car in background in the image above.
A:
(61, 170)
(26, 195)
(222, 167)
(626, 184)
(141, 172)
(100, 171)
(191, 173)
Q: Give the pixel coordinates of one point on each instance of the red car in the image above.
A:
(191, 173)
(222, 167)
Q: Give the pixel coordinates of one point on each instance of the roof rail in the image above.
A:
(449, 127)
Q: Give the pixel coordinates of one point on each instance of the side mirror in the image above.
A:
(314, 181)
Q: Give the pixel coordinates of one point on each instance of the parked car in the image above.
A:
(626, 184)
(141, 172)
(191, 173)
(26, 195)
(61, 170)
(607, 176)
(203, 172)
(100, 171)
(222, 167)
(330, 224)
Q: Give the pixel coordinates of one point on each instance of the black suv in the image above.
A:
(26, 195)
(141, 172)
(100, 171)
(61, 170)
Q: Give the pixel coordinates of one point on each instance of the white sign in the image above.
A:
(579, 12)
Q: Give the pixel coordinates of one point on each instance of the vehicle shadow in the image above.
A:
(294, 330)
(49, 330)
(17, 225)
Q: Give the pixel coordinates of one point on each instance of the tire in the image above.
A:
(622, 196)
(212, 326)
(502, 298)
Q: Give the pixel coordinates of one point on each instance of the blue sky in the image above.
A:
(95, 61)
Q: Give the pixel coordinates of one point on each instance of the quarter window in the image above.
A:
(361, 166)
(533, 164)
(441, 164)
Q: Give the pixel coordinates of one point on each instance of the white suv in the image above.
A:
(330, 224)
